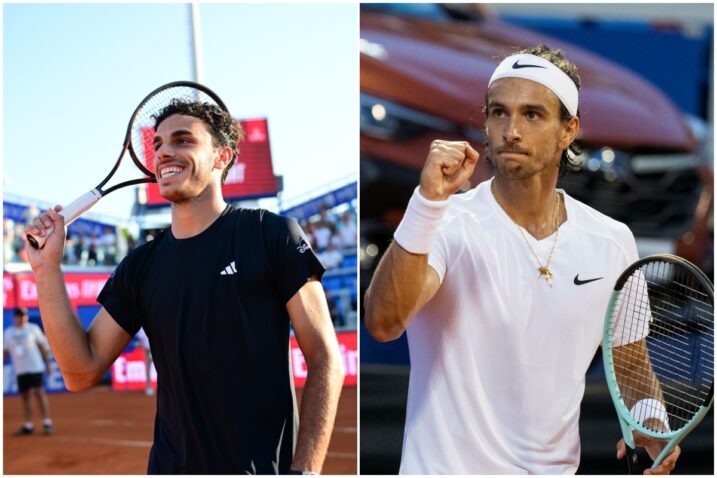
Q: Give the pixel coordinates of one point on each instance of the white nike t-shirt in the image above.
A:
(498, 358)
(23, 344)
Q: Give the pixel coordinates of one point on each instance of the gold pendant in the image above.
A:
(545, 272)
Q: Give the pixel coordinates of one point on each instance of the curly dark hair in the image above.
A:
(568, 162)
(221, 125)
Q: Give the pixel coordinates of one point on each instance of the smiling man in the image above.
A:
(215, 293)
(502, 290)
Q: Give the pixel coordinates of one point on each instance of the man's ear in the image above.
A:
(225, 156)
(570, 132)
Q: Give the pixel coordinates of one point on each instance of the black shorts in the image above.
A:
(27, 381)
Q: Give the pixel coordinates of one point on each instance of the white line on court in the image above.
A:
(109, 441)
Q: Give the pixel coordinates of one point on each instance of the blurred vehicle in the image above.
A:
(424, 73)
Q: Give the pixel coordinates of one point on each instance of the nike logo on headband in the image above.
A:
(517, 66)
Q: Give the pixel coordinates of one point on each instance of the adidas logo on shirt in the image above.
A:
(229, 270)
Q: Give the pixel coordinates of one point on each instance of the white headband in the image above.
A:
(540, 70)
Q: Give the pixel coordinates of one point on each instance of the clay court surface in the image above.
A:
(107, 432)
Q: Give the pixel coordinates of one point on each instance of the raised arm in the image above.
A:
(83, 357)
(404, 282)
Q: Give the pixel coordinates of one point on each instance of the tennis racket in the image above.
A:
(137, 142)
(658, 351)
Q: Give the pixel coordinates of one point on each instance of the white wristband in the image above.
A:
(420, 223)
(650, 408)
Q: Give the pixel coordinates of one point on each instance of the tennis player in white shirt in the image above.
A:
(502, 290)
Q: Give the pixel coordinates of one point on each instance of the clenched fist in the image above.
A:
(448, 166)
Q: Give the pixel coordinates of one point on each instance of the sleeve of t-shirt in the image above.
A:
(630, 248)
(437, 257)
(119, 300)
(294, 262)
(5, 342)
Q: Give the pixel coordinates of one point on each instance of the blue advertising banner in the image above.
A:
(17, 213)
(303, 211)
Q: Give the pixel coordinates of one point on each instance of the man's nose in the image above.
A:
(511, 133)
(162, 151)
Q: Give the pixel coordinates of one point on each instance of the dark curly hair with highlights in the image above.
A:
(221, 125)
(568, 162)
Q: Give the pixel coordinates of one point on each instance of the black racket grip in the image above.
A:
(633, 462)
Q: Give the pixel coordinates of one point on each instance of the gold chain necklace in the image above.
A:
(543, 270)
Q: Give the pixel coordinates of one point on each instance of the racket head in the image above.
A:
(140, 131)
(658, 343)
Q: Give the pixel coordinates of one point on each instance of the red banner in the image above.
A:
(349, 354)
(252, 175)
(129, 371)
(8, 291)
(82, 288)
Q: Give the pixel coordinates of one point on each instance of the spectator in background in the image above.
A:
(325, 216)
(30, 213)
(27, 346)
(18, 246)
(108, 242)
(331, 257)
(8, 251)
(309, 231)
(323, 230)
(322, 235)
(143, 341)
(79, 247)
(347, 230)
(336, 240)
(70, 252)
(92, 249)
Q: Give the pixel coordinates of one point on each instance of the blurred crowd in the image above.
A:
(91, 249)
(83, 247)
(331, 236)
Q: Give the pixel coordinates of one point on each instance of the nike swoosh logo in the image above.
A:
(517, 66)
(577, 281)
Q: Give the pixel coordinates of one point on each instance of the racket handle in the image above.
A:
(633, 463)
(70, 212)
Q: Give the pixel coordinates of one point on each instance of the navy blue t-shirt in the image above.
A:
(214, 309)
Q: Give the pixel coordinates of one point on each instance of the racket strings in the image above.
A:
(142, 129)
(663, 344)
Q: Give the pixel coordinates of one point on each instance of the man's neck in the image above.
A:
(530, 202)
(190, 218)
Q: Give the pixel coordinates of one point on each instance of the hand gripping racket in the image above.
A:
(137, 142)
(658, 351)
